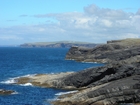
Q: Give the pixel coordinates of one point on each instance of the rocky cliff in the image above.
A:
(112, 51)
(116, 82)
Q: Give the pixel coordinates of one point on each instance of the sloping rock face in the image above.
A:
(116, 82)
(97, 76)
(125, 90)
(104, 53)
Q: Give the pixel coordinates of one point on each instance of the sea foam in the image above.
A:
(9, 81)
(26, 84)
(13, 80)
(15, 92)
(63, 93)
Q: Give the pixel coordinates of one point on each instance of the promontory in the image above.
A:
(60, 44)
(117, 82)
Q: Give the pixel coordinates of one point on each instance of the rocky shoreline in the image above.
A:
(6, 92)
(116, 82)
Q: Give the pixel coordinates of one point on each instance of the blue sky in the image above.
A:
(94, 21)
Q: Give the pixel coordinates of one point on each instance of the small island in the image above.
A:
(118, 81)
(6, 92)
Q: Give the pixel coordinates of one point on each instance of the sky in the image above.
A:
(96, 21)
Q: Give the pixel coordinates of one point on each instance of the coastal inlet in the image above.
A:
(17, 62)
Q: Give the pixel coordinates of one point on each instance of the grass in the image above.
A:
(131, 41)
(128, 41)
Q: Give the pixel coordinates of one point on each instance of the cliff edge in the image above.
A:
(106, 53)
(116, 82)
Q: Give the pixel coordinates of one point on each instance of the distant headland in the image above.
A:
(60, 44)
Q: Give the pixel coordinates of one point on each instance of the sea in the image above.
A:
(16, 62)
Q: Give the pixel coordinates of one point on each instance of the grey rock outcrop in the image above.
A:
(125, 90)
(118, 81)
(97, 76)
(105, 53)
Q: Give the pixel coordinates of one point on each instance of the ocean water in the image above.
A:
(16, 62)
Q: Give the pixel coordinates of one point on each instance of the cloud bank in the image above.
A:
(95, 25)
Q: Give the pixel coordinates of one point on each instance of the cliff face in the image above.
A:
(112, 51)
(116, 82)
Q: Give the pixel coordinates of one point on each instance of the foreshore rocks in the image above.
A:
(44, 80)
(6, 92)
(118, 81)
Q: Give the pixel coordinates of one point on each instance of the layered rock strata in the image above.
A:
(116, 82)
(104, 53)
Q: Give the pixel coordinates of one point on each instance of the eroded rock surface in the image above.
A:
(116, 82)
(125, 90)
(102, 55)
(43, 80)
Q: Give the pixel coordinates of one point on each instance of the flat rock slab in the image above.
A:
(43, 80)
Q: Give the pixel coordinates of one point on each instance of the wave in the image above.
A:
(9, 81)
(13, 80)
(15, 92)
(26, 84)
(53, 99)
(63, 93)
(28, 75)
(89, 62)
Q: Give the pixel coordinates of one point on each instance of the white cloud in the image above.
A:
(94, 25)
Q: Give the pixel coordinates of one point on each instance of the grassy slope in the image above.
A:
(128, 41)
(131, 41)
